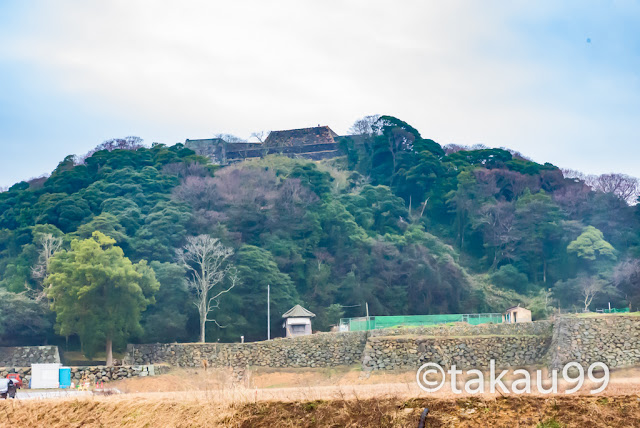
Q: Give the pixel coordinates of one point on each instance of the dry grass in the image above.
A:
(578, 411)
(323, 383)
(322, 397)
(261, 378)
(600, 315)
(468, 412)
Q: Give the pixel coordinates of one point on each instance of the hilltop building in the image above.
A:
(309, 143)
(222, 152)
(315, 143)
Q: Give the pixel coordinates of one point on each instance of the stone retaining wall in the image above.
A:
(95, 373)
(535, 328)
(318, 350)
(397, 352)
(23, 356)
(613, 340)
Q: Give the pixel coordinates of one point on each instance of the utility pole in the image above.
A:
(268, 312)
(366, 305)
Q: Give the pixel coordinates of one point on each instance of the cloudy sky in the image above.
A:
(558, 82)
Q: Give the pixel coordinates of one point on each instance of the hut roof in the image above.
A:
(298, 312)
(515, 307)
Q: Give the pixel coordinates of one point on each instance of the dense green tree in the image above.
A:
(166, 319)
(462, 202)
(23, 321)
(377, 209)
(591, 246)
(106, 223)
(510, 278)
(538, 225)
(98, 294)
(257, 269)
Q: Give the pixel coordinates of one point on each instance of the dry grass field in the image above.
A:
(318, 398)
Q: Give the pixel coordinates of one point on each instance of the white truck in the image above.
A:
(8, 388)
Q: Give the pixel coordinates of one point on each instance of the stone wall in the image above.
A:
(95, 373)
(613, 340)
(23, 356)
(318, 350)
(535, 328)
(410, 352)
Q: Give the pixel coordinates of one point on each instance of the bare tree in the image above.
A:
(572, 198)
(205, 259)
(454, 148)
(367, 126)
(589, 288)
(623, 186)
(627, 271)
(183, 170)
(200, 192)
(497, 221)
(626, 277)
(516, 154)
(37, 183)
(573, 173)
(260, 135)
(127, 143)
(230, 138)
(48, 245)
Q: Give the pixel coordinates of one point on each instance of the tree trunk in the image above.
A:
(109, 353)
(203, 323)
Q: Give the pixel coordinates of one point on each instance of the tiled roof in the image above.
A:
(301, 137)
(298, 312)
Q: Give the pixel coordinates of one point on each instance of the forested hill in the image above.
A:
(398, 222)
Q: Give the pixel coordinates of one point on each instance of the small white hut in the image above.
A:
(516, 314)
(297, 321)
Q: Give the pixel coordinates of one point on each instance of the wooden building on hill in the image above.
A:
(315, 143)
(301, 137)
(222, 152)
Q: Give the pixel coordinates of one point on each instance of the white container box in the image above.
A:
(45, 376)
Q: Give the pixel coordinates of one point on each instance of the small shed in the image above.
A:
(516, 314)
(297, 321)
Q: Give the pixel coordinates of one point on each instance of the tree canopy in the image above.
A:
(97, 293)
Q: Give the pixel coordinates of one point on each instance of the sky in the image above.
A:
(557, 81)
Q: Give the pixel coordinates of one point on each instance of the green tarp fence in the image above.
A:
(615, 311)
(378, 322)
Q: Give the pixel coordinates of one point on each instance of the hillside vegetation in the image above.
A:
(398, 222)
